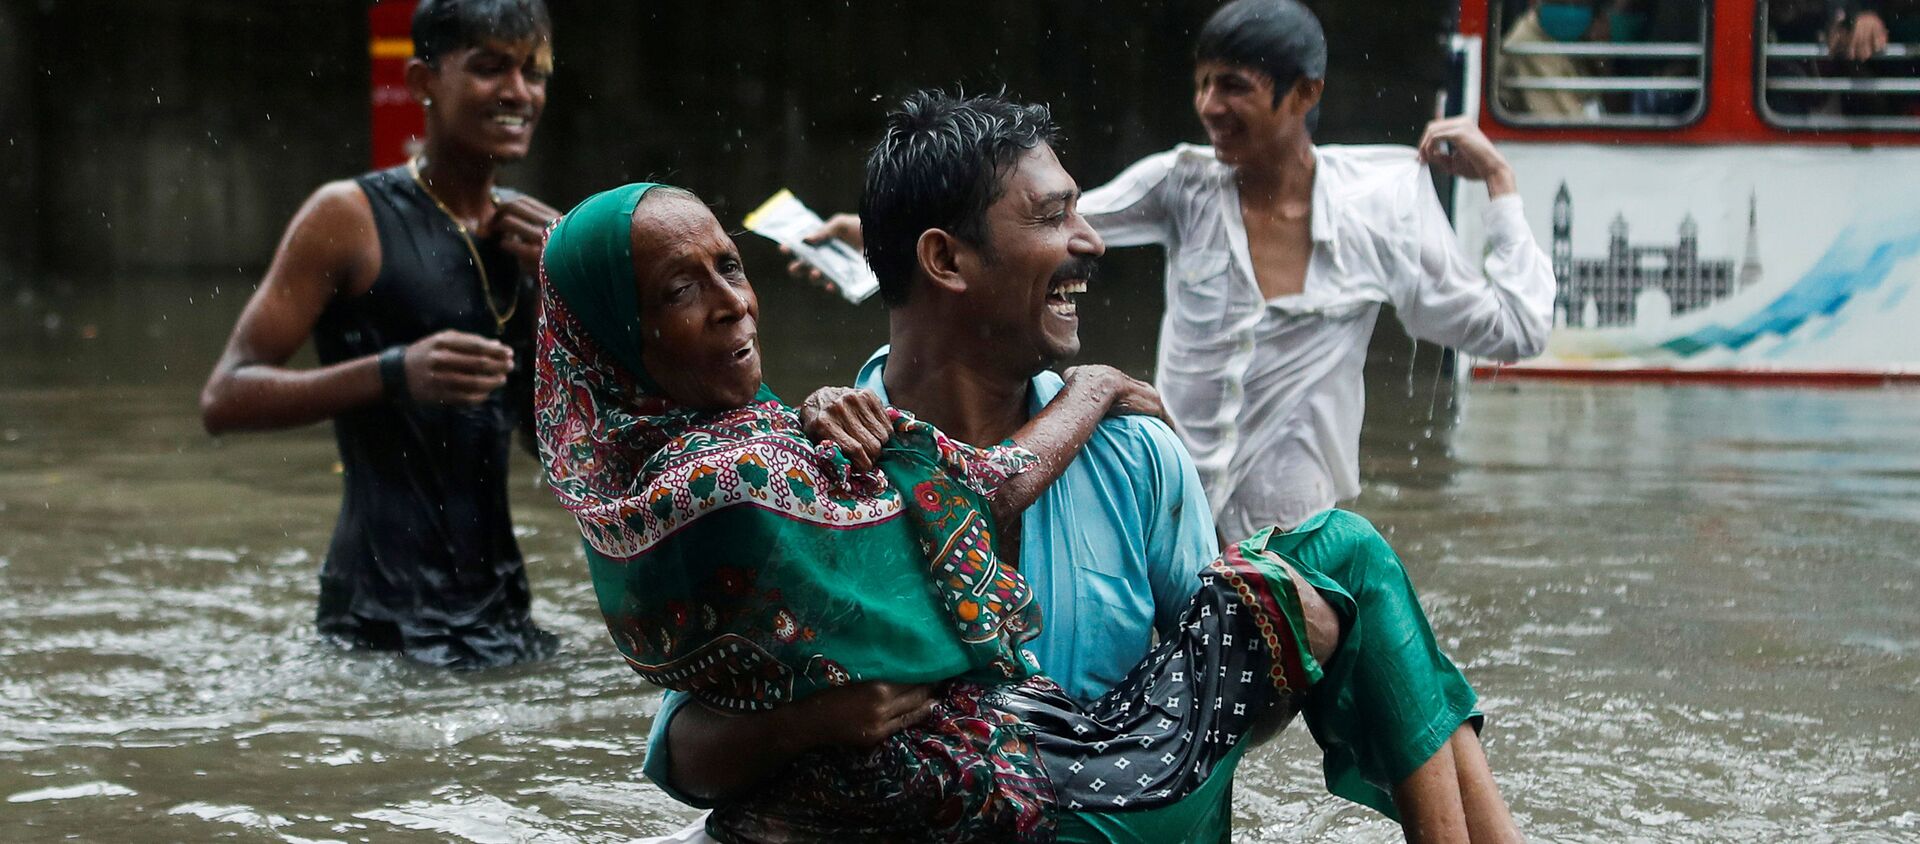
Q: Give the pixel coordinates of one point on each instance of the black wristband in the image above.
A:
(393, 373)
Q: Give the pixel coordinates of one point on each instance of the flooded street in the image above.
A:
(1690, 611)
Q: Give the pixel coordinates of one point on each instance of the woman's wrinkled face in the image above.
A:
(698, 316)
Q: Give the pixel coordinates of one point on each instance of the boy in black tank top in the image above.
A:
(415, 284)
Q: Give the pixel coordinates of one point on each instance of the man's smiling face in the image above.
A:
(488, 99)
(1038, 253)
(1245, 116)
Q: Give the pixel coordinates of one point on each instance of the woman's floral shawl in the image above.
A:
(738, 561)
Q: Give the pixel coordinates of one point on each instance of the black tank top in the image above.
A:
(423, 558)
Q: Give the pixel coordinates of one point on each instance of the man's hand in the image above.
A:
(454, 367)
(1859, 42)
(845, 227)
(853, 419)
(1125, 395)
(718, 755)
(521, 227)
(862, 715)
(1458, 147)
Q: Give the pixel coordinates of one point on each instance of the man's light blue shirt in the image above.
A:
(1111, 551)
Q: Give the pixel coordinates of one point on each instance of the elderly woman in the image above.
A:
(737, 560)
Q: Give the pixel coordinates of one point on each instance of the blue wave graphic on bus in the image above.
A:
(1856, 263)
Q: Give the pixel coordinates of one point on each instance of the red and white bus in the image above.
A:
(1723, 198)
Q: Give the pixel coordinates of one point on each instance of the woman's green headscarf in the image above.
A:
(733, 558)
(590, 245)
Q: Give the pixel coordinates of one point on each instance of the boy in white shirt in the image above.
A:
(1279, 255)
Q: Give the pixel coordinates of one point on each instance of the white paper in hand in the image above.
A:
(783, 219)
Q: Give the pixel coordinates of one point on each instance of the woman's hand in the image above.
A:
(854, 420)
(1123, 394)
(1057, 432)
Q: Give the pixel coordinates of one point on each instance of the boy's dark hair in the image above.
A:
(940, 165)
(442, 26)
(1281, 38)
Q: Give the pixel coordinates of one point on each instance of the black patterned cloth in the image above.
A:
(1237, 664)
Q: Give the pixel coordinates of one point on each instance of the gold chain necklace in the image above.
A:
(486, 286)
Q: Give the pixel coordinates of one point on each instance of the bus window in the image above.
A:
(1639, 63)
(1828, 65)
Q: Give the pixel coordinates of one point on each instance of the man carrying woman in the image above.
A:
(736, 561)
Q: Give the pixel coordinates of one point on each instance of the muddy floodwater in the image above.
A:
(1691, 612)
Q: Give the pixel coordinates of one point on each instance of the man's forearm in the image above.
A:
(263, 397)
(716, 756)
(1500, 182)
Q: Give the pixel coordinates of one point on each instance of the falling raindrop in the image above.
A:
(1433, 397)
(1413, 358)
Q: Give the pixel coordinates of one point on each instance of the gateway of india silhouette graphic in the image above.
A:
(1635, 284)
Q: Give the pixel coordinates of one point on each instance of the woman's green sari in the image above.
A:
(787, 572)
(738, 561)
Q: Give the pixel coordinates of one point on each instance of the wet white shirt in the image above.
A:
(1268, 393)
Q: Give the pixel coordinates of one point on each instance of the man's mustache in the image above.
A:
(1082, 268)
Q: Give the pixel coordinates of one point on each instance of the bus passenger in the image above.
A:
(1548, 23)
(1854, 32)
(1640, 21)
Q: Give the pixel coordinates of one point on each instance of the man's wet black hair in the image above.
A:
(442, 26)
(940, 165)
(1280, 38)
